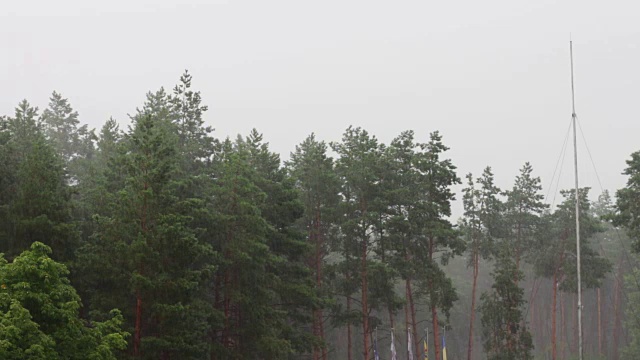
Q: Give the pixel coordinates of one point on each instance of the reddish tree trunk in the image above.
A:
(138, 326)
(563, 325)
(413, 318)
(434, 309)
(436, 337)
(599, 322)
(365, 306)
(553, 316)
(473, 303)
(617, 304)
(406, 313)
(137, 337)
(318, 326)
(574, 317)
(349, 357)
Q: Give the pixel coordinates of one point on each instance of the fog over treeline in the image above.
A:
(161, 240)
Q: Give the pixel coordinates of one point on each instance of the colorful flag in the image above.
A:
(393, 347)
(426, 349)
(444, 348)
(409, 344)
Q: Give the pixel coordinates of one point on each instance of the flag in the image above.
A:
(426, 350)
(375, 348)
(393, 348)
(409, 344)
(444, 349)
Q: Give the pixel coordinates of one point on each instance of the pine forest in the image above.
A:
(152, 238)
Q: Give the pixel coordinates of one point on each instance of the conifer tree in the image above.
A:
(282, 212)
(523, 209)
(73, 142)
(628, 201)
(437, 236)
(36, 199)
(154, 251)
(556, 257)
(504, 328)
(358, 167)
(312, 170)
(482, 210)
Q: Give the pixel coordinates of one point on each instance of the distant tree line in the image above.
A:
(161, 241)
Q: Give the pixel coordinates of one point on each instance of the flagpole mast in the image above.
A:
(577, 199)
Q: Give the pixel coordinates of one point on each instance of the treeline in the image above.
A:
(187, 246)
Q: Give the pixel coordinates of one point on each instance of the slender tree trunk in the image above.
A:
(563, 325)
(406, 315)
(413, 318)
(137, 337)
(138, 326)
(553, 316)
(574, 317)
(318, 326)
(436, 337)
(412, 308)
(473, 303)
(434, 309)
(349, 345)
(532, 309)
(617, 326)
(365, 305)
(599, 322)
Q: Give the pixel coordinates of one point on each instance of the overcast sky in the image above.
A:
(492, 76)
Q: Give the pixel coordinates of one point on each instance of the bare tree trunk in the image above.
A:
(434, 310)
(365, 306)
(138, 327)
(563, 325)
(617, 333)
(349, 357)
(599, 322)
(574, 317)
(473, 303)
(413, 317)
(406, 314)
(553, 317)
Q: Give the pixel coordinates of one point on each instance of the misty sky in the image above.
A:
(492, 76)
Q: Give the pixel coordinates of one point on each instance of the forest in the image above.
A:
(159, 240)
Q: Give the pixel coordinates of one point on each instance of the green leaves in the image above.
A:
(504, 330)
(628, 201)
(39, 313)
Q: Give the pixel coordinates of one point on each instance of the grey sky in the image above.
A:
(492, 76)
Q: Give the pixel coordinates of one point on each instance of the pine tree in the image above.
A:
(358, 167)
(286, 242)
(523, 209)
(482, 210)
(147, 243)
(504, 328)
(36, 200)
(628, 201)
(315, 178)
(556, 251)
(71, 141)
(437, 236)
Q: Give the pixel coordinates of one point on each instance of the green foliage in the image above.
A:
(61, 128)
(504, 330)
(628, 201)
(144, 244)
(522, 214)
(35, 200)
(632, 322)
(39, 313)
(557, 250)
